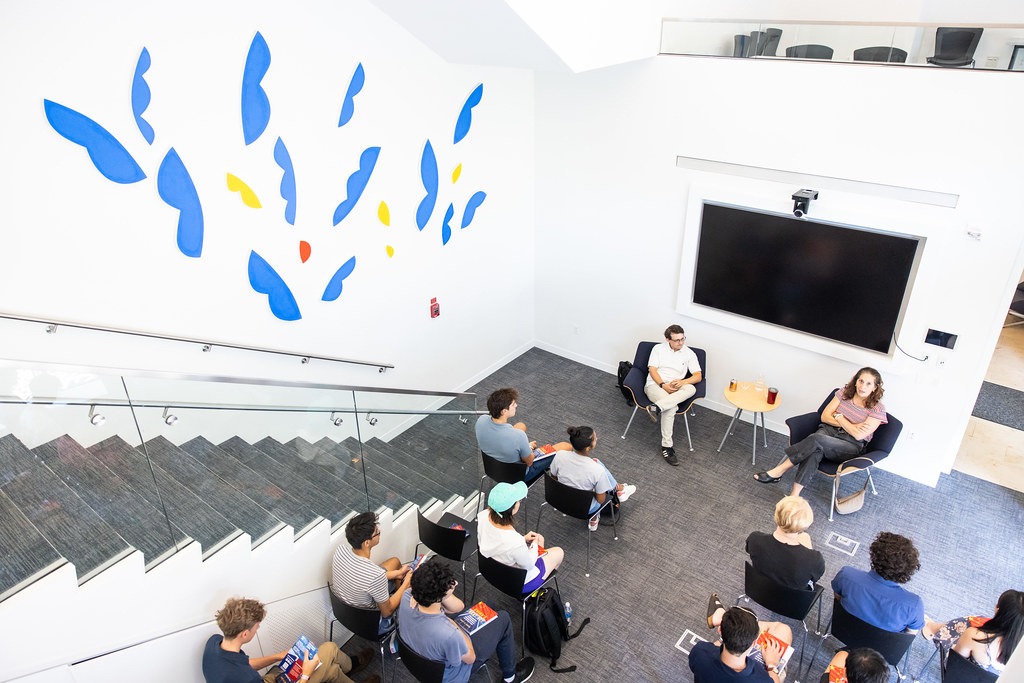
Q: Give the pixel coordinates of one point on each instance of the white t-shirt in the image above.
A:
(672, 364)
(506, 546)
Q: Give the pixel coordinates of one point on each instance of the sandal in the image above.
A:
(714, 604)
(766, 478)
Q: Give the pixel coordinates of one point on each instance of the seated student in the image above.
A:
(860, 665)
(224, 661)
(357, 580)
(509, 443)
(986, 642)
(876, 596)
(424, 625)
(727, 660)
(498, 539)
(786, 556)
(579, 469)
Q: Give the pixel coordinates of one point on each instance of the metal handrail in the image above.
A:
(9, 400)
(206, 344)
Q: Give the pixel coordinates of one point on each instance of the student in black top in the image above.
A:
(786, 556)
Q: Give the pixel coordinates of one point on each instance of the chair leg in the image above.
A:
(635, 408)
(835, 494)
(539, 514)
(872, 482)
(480, 498)
(589, 534)
(803, 647)
(522, 639)
(928, 662)
(686, 421)
(472, 600)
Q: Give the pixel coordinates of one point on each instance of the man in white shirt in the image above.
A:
(674, 370)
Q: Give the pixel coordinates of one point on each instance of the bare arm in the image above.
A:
(452, 604)
(470, 656)
(261, 662)
(859, 430)
(388, 608)
(826, 415)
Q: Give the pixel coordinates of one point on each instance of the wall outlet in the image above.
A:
(991, 62)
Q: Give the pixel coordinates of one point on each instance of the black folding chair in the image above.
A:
(427, 670)
(362, 621)
(454, 544)
(789, 602)
(957, 669)
(509, 580)
(507, 472)
(855, 632)
(575, 503)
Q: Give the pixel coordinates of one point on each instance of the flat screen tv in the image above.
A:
(834, 281)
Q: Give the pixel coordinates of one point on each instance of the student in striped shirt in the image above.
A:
(360, 582)
(847, 425)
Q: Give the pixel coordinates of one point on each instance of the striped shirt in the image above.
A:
(357, 580)
(855, 413)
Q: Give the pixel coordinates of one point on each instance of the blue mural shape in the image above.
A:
(176, 188)
(428, 174)
(465, 119)
(284, 160)
(107, 154)
(255, 103)
(446, 226)
(357, 183)
(471, 206)
(265, 280)
(348, 107)
(333, 289)
(141, 96)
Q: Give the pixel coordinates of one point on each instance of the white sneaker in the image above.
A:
(593, 522)
(627, 491)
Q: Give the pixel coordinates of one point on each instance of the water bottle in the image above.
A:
(760, 386)
(568, 613)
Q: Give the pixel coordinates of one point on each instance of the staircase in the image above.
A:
(61, 502)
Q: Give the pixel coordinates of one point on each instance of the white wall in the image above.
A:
(79, 247)
(611, 217)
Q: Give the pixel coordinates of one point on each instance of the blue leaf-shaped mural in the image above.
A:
(141, 96)
(428, 174)
(465, 119)
(357, 183)
(348, 107)
(107, 154)
(333, 289)
(176, 188)
(265, 280)
(446, 226)
(284, 160)
(255, 103)
(476, 200)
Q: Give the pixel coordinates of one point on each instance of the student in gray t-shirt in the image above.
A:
(581, 470)
(508, 442)
(424, 625)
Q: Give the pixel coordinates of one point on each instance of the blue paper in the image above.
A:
(107, 154)
(265, 280)
(175, 187)
(141, 96)
(428, 174)
(465, 119)
(357, 183)
(255, 103)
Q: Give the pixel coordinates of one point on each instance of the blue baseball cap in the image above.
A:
(504, 496)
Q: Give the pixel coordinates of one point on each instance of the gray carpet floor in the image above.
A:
(681, 536)
(1000, 404)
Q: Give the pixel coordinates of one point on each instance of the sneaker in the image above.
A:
(594, 521)
(524, 670)
(652, 412)
(627, 491)
(669, 454)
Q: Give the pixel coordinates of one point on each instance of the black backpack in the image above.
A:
(624, 367)
(546, 627)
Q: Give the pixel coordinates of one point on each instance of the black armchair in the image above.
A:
(637, 378)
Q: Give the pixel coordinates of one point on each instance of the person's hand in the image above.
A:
(773, 653)
(533, 444)
(405, 581)
(309, 665)
(531, 536)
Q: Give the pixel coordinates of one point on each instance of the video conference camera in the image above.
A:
(802, 201)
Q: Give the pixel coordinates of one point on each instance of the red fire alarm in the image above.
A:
(435, 308)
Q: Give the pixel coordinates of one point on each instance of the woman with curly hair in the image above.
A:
(877, 596)
(986, 642)
(847, 425)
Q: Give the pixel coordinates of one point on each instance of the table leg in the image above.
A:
(753, 444)
(764, 432)
(729, 428)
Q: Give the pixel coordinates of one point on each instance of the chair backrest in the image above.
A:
(789, 602)
(446, 542)
(509, 580)
(701, 387)
(882, 441)
(637, 376)
(772, 43)
(362, 621)
(883, 53)
(956, 44)
(960, 670)
(810, 51)
(422, 669)
(566, 499)
(643, 355)
(855, 632)
(508, 472)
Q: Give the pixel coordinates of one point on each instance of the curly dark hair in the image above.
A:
(894, 557)
(500, 400)
(361, 528)
(431, 580)
(739, 629)
(850, 390)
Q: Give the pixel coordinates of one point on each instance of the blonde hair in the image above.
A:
(239, 614)
(793, 514)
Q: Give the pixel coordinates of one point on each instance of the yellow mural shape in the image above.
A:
(391, 251)
(248, 196)
(456, 173)
(383, 214)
